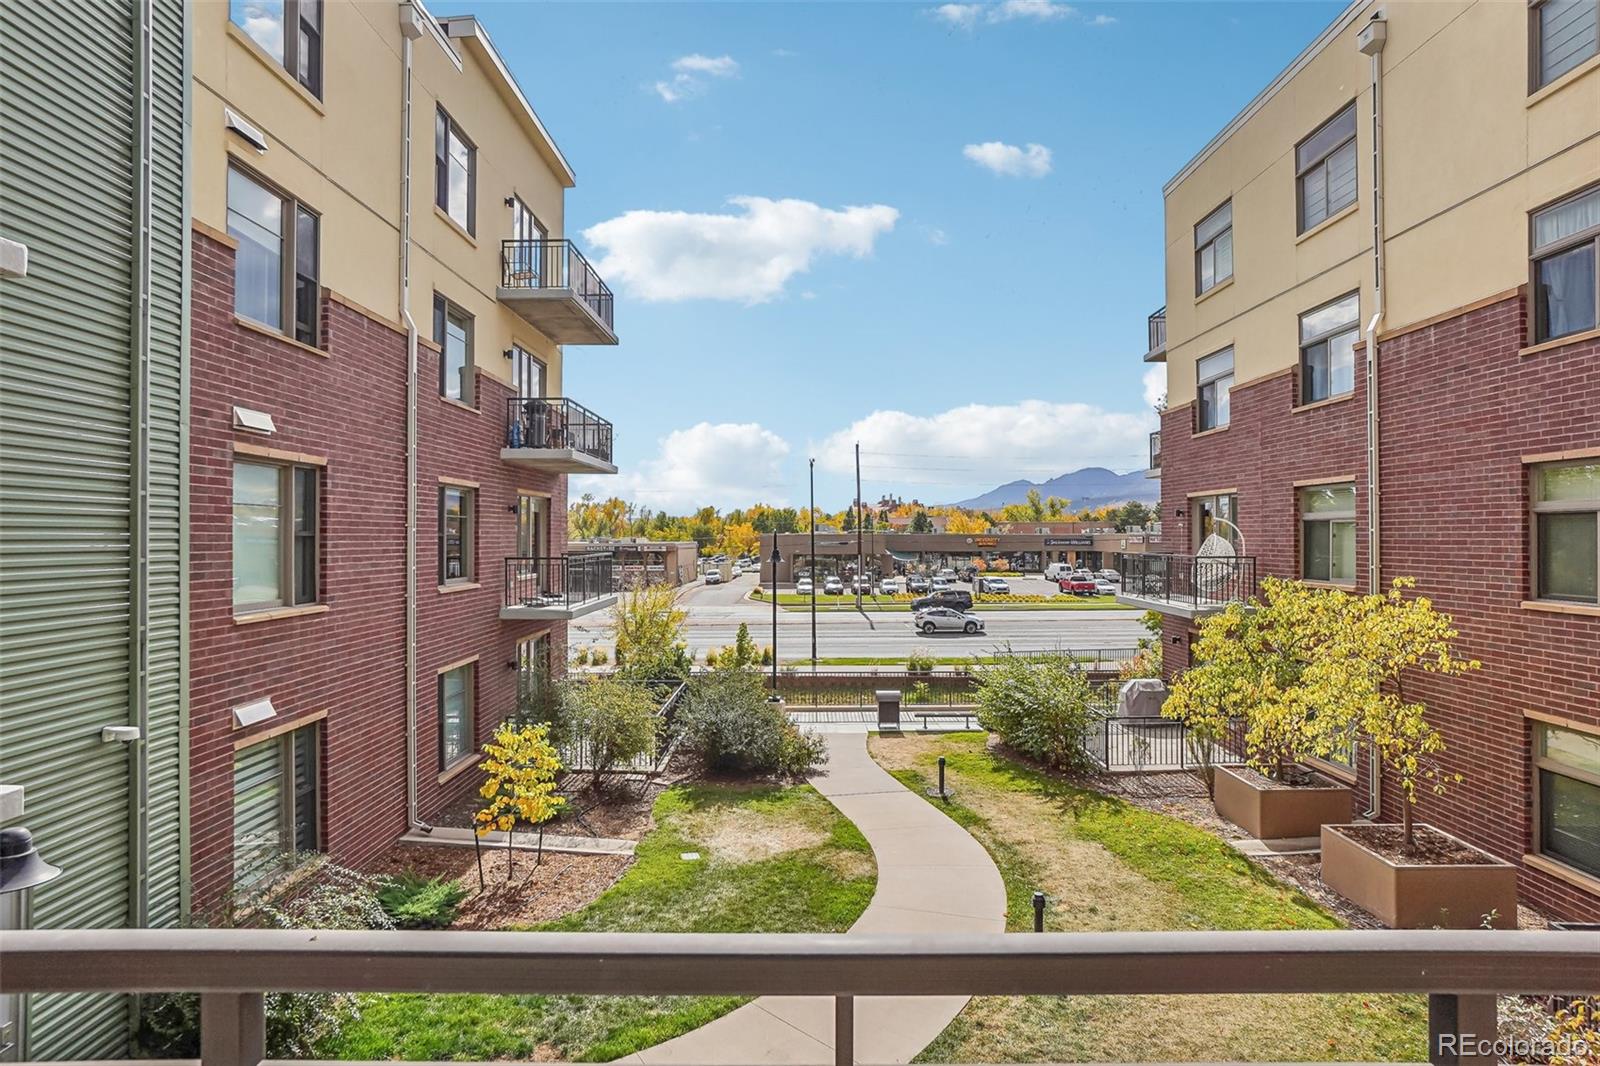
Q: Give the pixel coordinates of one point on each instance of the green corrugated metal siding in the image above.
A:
(69, 117)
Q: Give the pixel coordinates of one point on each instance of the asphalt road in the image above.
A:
(715, 613)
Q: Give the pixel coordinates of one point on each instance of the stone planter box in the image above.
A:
(1277, 812)
(1420, 895)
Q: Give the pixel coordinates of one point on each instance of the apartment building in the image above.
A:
(1391, 252)
(93, 282)
(382, 298)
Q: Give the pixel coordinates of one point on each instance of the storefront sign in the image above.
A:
(1068, 542)
(986, 542)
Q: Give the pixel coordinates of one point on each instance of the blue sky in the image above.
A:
(933, 229)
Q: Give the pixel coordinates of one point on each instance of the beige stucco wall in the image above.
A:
(1468, 153)
(342, 156)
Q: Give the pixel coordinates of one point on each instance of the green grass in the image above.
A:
(790, 601)
(772, 860)
(1109, 865)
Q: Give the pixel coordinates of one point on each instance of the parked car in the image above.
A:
(960, 599)
(738, 570)
(890, 586)
(968, 573)
(713, 576)
(948, 620)
(832, 586)
(1102, 587)
(804, 587)
(1057, 571)
(918, 583)
(1077, 585)
(942, 582)
(1109, 575)
(947, 573)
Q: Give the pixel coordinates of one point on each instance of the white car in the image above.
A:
(738, 571)
(942, 582)
(1102, 587)
(890, 586)
(862, 585)
(948, 620)
(713, 577)
(832, 586)
(947, 573)
(1109, 575)
(997, 585)
(804, 587)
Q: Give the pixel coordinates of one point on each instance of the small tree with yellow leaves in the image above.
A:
(521, 766)
(1360, 678)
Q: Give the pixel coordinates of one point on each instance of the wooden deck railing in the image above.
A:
(1460, 971)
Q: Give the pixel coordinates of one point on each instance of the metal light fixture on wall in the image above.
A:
(22, 869)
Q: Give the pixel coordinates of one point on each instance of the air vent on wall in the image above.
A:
(254, 136)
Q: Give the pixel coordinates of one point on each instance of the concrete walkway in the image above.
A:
(933, 878)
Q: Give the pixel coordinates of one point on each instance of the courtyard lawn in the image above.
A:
(1108, 865)
(771, 860)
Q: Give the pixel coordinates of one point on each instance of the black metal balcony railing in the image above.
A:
(1155, 450)
(1460, 971)
(554, 264)
(560, 581)
(1195, 580)
(1158, 330)
(557, 422)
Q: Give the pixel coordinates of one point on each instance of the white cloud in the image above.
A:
(1032, 161)
(1102, 20)
(749, 255)
(981, 445)
(1038, 10)
(726, 464)
(963, 16)
(1155, 384)
(689, 74)
(968, 16)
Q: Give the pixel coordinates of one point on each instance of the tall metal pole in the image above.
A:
(811, 521)
(861, 555)
(776, 559)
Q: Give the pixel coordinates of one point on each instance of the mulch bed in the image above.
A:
(1431, 847)
(620, 811)
(559, 885)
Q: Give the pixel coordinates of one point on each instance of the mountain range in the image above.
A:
(1093, 486)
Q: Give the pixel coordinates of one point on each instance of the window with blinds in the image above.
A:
(1566, 34)
(1325, 169)
(275, 805)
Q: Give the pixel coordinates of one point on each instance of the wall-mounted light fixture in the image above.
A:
(510, 201)
(508, 352)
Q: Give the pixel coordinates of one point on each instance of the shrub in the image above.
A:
(713, 657)
(919, 663)
(614, 719)
(1040, 705)
(921, 692)
(599, 657)
(766, 655)
(417, 902)
(650, 644)
(728, 722)
(581, 656)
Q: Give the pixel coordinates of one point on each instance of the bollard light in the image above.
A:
(942, 793)
(1038, 912)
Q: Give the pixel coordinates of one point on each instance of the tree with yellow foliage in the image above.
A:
(521, 766)
(966, 522)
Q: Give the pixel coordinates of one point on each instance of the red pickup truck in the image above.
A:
(1077, 586)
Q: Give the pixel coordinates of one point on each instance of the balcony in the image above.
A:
(1158, 337)
(553, 287)
(556, 588)
(557, 435)
(1188, 586)
(1154, 469)
(855, 983)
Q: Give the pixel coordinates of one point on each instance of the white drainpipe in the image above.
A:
(410, 30)
(1371, 41)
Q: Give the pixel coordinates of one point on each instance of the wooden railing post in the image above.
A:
(233, 1028)
(1462, 1030)
(844, 1030)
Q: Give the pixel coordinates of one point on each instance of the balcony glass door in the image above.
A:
(528, 575)
(526, 231)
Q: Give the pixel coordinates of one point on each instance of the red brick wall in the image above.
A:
(347, 405)
(1460, 408)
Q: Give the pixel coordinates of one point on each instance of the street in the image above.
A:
(716, 611)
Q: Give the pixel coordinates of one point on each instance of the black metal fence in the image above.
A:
(1158, 329)
(1196, 580)
(1133, 744)
(557, 422)
(557, 580)
(554, 264)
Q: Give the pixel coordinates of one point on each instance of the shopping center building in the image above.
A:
(899, 553)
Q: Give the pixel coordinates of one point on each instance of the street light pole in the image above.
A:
(777, 558)
(811, 521)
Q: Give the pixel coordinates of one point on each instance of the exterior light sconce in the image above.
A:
(508, 352)
(511, 201)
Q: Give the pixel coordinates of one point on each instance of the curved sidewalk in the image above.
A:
(933, 878)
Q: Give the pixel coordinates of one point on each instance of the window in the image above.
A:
(1217, 515)
(534, 691)
(1215, 380)
(290, 31)
(1328, 533)
(455, 172)
(452, 331)
(1328, 349)
(275, 267)
(1566, 798)
(524, 261)
(1564, 34)
(1566, 548)
(1325, 169)
(275, 532)
(1566, 243)
(1213, 249)
(275, 804)
(455, 715)
(527, 373)
(455, 533)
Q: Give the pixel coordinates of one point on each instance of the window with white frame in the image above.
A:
(276, 515)
(1213, 249)
(1328, 533)
(456, 714)
(1214, 382)
(276, 810)
(1566, 244)
(1565, 34)
(1328, 338)
(1566, 796)
(1566, 531)
(1325, 169)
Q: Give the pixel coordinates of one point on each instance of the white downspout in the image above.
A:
(409, 31)
(1371, 41)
